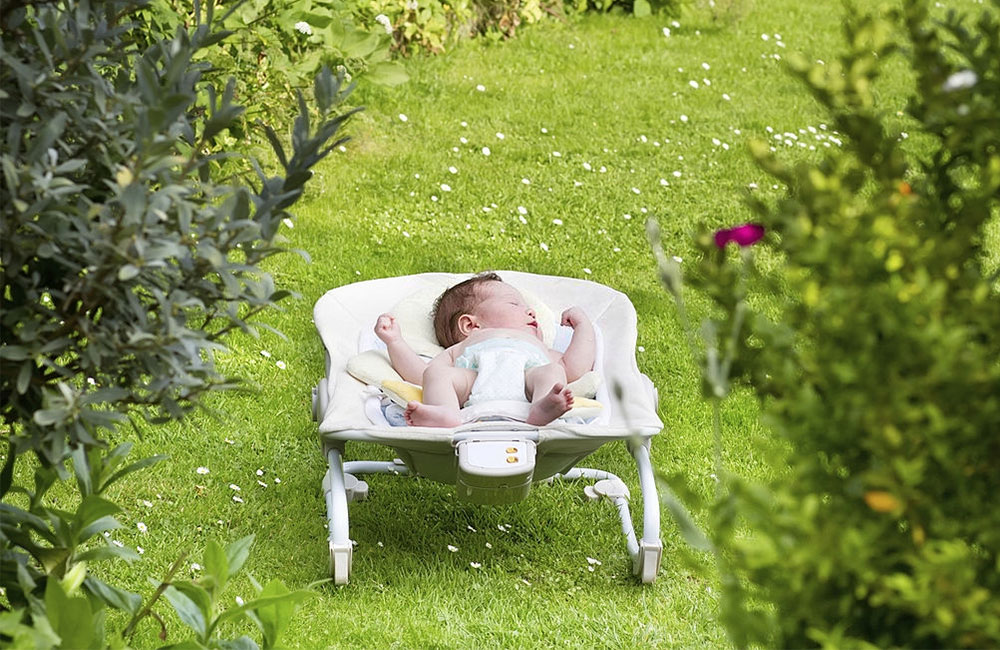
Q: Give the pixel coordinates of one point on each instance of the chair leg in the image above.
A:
(646, 552)
(646, 562)
(341, 549)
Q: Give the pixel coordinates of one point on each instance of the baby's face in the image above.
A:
(503, 306)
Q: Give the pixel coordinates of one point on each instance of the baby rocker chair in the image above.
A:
(493, 457)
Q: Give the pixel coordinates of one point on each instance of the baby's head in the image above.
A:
(482, 301)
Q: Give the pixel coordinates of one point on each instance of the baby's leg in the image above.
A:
(445, 388)
(546, 388)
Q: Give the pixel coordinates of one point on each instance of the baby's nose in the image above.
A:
(531, 312)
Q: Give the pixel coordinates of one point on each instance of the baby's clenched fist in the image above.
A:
(387, 329)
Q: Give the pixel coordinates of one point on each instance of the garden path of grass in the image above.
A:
(602, 126)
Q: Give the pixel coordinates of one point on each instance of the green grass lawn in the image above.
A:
(590, 127)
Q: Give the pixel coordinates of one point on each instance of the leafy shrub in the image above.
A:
(126, 263)
(875, 358)
(276, 48)
(433, 26)
(424, 25)
(639, 8)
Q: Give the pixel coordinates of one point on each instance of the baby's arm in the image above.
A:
(578, 359)
(404, 360)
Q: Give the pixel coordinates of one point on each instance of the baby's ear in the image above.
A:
(467, 323)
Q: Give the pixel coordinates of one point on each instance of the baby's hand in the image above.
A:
(574, 316)
(387, 329)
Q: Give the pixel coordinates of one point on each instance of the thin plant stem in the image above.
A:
(148, 608)
(717, 438)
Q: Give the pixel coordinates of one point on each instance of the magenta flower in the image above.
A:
(745, 235)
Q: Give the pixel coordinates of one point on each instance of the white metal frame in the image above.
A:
(341, 486)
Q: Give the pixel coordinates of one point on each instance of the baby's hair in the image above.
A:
(455, 301)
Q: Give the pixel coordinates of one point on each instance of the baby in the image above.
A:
(494, 352)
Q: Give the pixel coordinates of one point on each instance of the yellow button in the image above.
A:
(511, 450)
(511, 459)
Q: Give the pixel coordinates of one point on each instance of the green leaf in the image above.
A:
(24, 377)
(83, 469)
(51, 558)
(237, 553)
(641, 8)
(107, 552)
(49, 417)
(12, 514)
(190, 613)
(37, 635)
(94, 516)
(275, 617)
(70, 617)
(324, 89)
(241, 643)
(73, 578)
(190, 644)
(134, 467)
(99, 526)
(216, 565)
(359, 45)
(14, 352)
(387, 73)
(277, 609)
(128, 272)
(113, 596)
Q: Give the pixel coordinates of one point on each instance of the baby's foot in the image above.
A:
(418, 414)
(552, 405)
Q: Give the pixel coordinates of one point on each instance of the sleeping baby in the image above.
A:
(494, 351)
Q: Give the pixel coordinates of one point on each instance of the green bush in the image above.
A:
(126, 263)
(277, 47)
(638, 8)
(873, 347)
